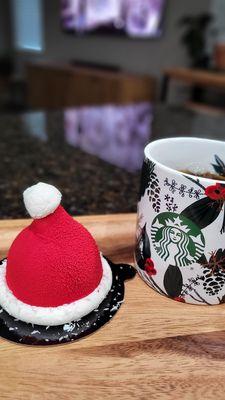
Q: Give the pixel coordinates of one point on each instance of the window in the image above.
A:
(27, 24)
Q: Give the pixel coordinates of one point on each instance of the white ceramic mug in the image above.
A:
(180, 247)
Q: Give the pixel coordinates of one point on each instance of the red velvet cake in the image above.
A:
(54, 272)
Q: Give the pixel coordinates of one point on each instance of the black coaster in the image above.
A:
(32, 334)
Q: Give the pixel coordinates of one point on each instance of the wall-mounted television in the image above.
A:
(133, 18)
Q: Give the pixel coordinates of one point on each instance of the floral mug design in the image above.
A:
(180, 246)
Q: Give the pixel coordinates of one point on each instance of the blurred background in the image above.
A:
(86, 84)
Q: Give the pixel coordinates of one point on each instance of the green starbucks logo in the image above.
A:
(177, 239)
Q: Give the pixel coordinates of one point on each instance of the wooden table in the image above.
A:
(197, 78)
(154, 348)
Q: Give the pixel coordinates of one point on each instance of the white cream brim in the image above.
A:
(51, 316)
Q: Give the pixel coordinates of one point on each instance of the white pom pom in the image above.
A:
(41, 199)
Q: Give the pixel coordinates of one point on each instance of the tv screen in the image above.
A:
(134, 18)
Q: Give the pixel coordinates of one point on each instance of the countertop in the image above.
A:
(92, 154)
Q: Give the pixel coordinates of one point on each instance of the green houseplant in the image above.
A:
(194, 38)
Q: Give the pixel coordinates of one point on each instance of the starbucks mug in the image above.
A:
(180, 237)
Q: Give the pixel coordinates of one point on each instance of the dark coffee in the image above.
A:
(208, 175)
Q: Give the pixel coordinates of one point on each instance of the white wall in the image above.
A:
(218, 10)
(147, 56)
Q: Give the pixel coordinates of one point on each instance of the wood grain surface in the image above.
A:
(72, 86)
(154, 348)
(198, 77)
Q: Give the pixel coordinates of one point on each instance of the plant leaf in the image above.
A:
(146, 244)
(139, 259)
(220, 166)
(173, 281)
(218, 169)
(202, 212)
(219, 161)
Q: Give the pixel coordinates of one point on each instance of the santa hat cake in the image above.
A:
(54, 272)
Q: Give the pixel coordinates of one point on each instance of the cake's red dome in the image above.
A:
(53, 261)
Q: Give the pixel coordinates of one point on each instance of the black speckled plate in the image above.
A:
(32, 334)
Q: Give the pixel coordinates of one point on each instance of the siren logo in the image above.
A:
(177, 239)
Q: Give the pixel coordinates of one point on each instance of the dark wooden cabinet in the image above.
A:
(52, 85)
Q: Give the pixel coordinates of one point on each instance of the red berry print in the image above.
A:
(149, 267)
(180, 299)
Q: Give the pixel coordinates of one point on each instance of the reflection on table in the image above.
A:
(116, 134)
